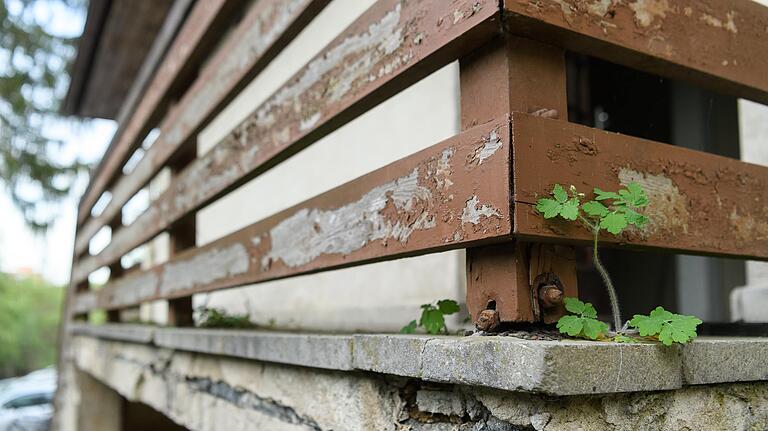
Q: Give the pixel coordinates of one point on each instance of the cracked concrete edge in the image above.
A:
(550, 367)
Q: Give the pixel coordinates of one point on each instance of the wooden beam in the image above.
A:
(513, 74)
(182, 58)
(391, 46)
(267, 28)
(717, 44)
(448, 196)
(700, 203)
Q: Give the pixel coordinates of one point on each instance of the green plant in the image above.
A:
(433, 317)
(34, 169)
(29, 316)
(612, 211)
(583, 322)
(661, 325)
(666, 326)
(218, 318)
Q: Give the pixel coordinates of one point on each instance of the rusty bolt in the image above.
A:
(550, 296)
(488, 320)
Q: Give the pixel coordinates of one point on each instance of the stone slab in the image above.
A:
(310, 350)
(567, 367)
(389, 353)
(120, 332)
(552, 367)
(725, 359)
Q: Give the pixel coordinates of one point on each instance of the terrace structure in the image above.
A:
(328, 166)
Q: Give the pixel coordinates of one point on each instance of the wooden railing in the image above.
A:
(474, 190)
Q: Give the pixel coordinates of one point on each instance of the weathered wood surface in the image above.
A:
(719, 44)
(437, 199)
(511, 74)
(183, 54)
(268, 27)
(699, 203)
(391, 46)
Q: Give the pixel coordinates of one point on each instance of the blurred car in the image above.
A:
(26, 402)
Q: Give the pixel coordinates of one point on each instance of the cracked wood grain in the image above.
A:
(700, 203)
(394, 44)
(414, 206)
(719, 44)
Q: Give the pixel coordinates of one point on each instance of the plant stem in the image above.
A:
(608, 283)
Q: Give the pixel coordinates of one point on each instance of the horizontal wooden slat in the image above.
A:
(719, 44)
(269, 26)
(699, 203)
(453, 194)
(184, 55)
(391, 46)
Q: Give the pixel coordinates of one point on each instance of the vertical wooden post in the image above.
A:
(79, 288)
(516, 281)
(116, 269)
(182, 235)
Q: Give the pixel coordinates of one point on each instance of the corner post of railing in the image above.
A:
(515, 281)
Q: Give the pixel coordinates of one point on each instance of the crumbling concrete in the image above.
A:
(203, 392)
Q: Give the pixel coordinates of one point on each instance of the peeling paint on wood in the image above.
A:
(491, 144)
(374, 58)
(414, 206)
(647, 12)
(667, 210)
(700, 203)
(179, 56)
(203, 268)
(266, 28)
(309, 233)
(474, 212)
(719, 44)
(129, 289)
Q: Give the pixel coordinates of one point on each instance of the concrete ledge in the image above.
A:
(566, 367)
(332, 352)
(123, 332)
(725, 359)
(553, 367)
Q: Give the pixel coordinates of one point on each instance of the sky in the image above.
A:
(50, 254)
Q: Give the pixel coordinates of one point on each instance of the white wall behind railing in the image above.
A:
(375, 297)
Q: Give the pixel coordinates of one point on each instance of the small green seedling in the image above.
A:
(583, 322)
(612, 211)
(666, 326)
(433, 317)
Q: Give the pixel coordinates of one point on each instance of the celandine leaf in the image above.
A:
(548, 207)
(559, 193)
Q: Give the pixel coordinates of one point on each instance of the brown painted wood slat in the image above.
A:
(267, 28)
(437, 199)
(454, 195)
(719, 44)
(700, 203)
(391, 46)
(184, 54)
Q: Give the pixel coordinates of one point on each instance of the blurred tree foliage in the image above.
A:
(29, 317)
(33, 82)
